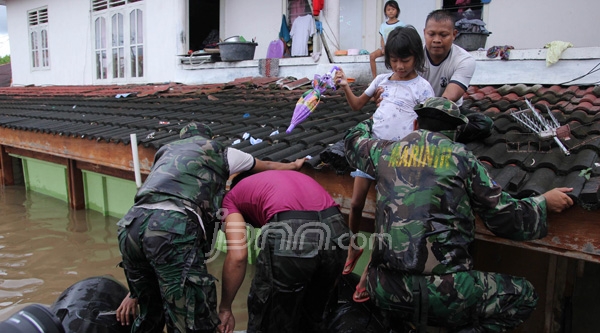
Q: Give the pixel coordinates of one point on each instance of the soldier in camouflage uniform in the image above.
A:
(165, 235)
(429, 189)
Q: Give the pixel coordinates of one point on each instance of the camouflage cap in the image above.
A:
(441, 108)
(193, 129)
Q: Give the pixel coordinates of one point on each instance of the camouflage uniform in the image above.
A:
(162, 240)
(428, 191)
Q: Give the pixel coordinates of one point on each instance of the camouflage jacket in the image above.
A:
(429, 189)
(192, 170)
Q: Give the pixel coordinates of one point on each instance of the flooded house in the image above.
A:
(93, 79)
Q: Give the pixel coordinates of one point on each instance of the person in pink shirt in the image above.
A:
(302, 251)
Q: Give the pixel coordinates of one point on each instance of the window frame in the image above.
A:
(456, 10)
(106, 44)
(37, 27)
(292, 11)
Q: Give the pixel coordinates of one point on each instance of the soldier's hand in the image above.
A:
(127, 310)
(557, 200)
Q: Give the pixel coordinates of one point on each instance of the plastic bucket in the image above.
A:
(471, 41)
(237, 51)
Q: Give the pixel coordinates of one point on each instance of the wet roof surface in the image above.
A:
(519, 160)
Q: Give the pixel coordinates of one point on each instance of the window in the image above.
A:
(296, 9)
(118, 39)
(465, 9)
(38, 38)
(137, 43)
(101, 61)
(117, 46)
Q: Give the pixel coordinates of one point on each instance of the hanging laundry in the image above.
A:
(555, 49)
(502, 51)
(318, 6)
(474, 25)
(284, 31)
(302, 29)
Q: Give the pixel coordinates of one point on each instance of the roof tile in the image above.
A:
(519, 160)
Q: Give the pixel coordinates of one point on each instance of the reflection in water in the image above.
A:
(45, 247)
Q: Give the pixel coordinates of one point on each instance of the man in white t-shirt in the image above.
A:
(449, 69)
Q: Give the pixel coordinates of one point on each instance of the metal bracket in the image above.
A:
(531, 118)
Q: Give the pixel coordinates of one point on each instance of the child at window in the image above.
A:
(391, 11)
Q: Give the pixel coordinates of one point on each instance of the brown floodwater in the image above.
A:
(45, 247)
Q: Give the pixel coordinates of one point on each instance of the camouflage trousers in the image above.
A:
(473, 301)
(164, 265)
(294, 284)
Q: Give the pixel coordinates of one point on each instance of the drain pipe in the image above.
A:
(136, 160)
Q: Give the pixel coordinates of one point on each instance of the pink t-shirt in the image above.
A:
(262, 195)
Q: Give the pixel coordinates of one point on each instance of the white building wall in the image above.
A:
(523, 24)
(415, 12)
(532, 24)
(165, 35)
(68, 41)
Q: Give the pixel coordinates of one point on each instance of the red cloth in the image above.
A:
(317, 6)
(262, 195)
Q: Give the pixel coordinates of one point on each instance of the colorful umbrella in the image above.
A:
(310, 99)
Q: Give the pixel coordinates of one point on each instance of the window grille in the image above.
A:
(100, 5)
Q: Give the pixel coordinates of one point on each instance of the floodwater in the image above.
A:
(45, 247)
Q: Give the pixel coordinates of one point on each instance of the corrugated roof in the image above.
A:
(519, 160)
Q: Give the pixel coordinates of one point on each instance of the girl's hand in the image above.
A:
(227, 321)
(340, 78)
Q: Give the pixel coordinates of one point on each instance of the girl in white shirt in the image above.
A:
(393, 119)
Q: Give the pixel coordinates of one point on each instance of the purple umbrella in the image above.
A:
(310, 99)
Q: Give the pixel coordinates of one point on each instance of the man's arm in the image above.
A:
(261, 165)
(453, 92)
(508, 217)
(359, 145)
(240, 161)
(234, 268)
